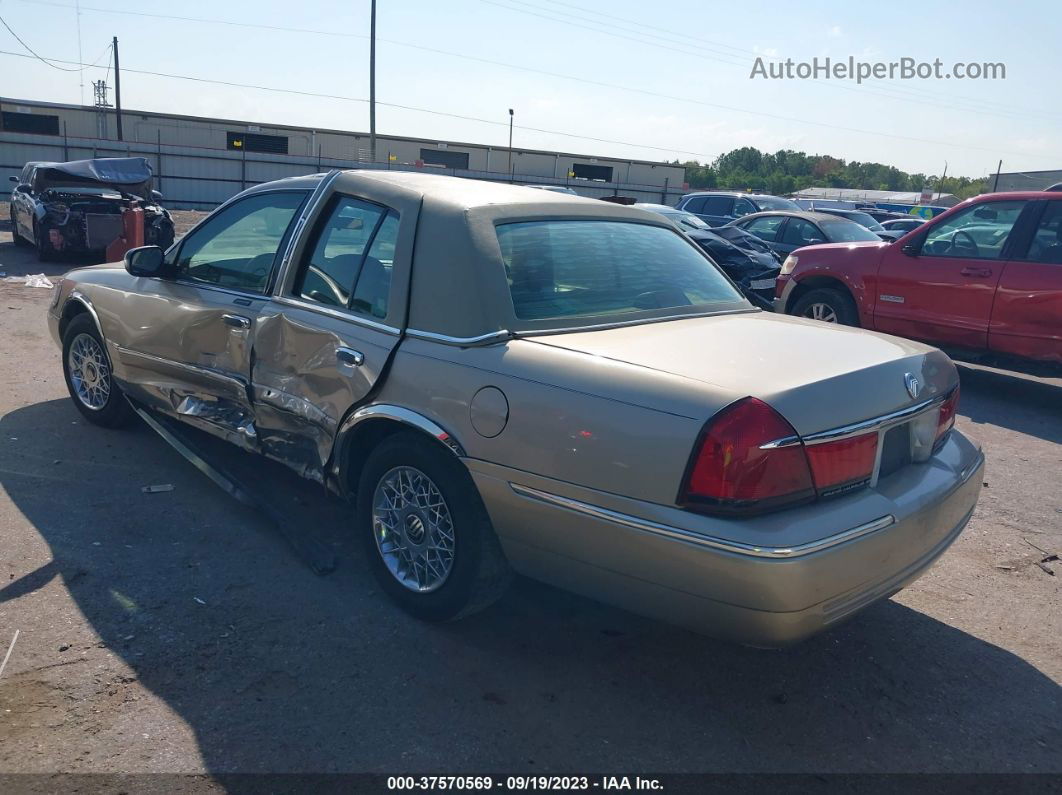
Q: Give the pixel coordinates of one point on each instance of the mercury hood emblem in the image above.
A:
(914, 386)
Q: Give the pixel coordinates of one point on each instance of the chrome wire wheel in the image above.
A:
(90, 372)
(820, 311)
(413, 529)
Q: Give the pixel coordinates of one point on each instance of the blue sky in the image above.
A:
(656, 81)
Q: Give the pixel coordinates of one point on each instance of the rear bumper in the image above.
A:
(707, 577)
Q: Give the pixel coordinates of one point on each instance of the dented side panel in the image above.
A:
(305, 379)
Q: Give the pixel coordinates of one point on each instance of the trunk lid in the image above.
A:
(818, 376)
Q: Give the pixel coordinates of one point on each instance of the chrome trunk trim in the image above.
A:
(690, 537)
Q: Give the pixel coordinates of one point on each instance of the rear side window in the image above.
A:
(799, 232)
(766, 228)
(349, 264)
(562, 269)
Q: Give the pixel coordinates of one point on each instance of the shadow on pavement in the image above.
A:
(276, 669)
(1012, 401)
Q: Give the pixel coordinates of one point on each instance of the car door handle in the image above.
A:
(350, 356)
(237, 321)
(982, 272)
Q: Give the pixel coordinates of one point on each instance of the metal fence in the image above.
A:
(197, 178)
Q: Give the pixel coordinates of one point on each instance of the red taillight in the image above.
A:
(837, 466)
(732, 471)
(946, 418)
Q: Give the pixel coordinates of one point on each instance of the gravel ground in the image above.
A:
(176, 632)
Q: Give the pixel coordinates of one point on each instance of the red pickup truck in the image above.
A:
(984, 277)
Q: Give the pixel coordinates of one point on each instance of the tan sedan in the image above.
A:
(508, 379)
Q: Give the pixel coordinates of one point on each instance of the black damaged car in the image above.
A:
(745, 258)
(77, 207)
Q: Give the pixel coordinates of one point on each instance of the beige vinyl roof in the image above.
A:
(458, 284)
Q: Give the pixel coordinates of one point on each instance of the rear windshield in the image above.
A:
(776, 203)
(842, 230)
(568, 269)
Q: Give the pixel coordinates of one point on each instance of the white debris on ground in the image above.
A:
(31, 280)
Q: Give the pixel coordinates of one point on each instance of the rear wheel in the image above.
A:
(425, 532)
(827, 305)
(89, 377)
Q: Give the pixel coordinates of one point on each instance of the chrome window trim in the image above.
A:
(336, 312)
(881, 423)
(309, 208)
(463, 342)
(698, 539)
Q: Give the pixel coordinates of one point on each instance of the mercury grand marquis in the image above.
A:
(501, 379)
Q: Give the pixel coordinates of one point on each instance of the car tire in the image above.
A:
(16, 238)
(45, 252)
(827, 305)
(89, 377)
(411, 492)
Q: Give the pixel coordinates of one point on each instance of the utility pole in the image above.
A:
(117, 90)
(940, 185)
(510, 143)
(995, 182)
(372, 82)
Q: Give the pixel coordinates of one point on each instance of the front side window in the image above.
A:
(237, 246)
(1046, 244)
(978, 232)
(349, 263)
(766, 228)
(568, 269)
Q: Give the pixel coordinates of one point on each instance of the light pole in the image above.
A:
(510, 144)
(372, 82)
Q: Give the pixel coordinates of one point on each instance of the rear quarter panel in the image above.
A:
(636, 442)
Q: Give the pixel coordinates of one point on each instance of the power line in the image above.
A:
(701, 41)
(398, 106)
(884, 90)
(543, 130)
(922, 101)
(33, 53)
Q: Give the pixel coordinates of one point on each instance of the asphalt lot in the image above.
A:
(176, 632)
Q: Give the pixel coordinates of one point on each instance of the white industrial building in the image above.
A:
(201, 161)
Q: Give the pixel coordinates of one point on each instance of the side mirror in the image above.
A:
(156, 195)
(144, 261)
(22, 189)
(12, 179)
(815, 241)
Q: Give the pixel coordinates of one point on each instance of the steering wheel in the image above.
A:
(971, 245)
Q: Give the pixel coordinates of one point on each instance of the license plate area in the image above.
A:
(895, 450)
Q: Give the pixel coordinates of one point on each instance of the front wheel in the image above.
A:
(827, 305)
(89, 377)
(425, 531)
